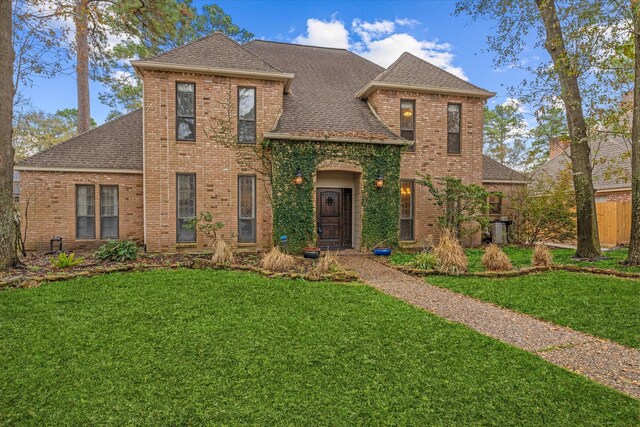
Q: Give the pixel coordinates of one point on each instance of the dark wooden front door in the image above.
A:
(333, 207)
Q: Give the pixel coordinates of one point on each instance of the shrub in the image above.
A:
(545, 210)
(465, 208)
(64, 260)
(117, 250)
(450, 255)
(207, 225)
(275, 260)
(494, 259)
(424, 260)
(541, 256)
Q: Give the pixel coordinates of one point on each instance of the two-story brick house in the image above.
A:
(273, 139)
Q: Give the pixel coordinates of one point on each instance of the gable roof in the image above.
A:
(413, 73)
(115, 145)
(321, 100)
(493, 171)
(611, 164)
(214, 53)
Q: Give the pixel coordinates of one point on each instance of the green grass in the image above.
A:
(521, 257)
(604, 306)
(192, 347)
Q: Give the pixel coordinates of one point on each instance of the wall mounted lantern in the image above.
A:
(298, 179)
(379, 182)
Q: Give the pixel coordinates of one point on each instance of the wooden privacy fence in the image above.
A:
(614, 222)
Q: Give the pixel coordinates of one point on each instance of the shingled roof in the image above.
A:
(493, 171)
(320, 103)
(321, 100)
(611, 164)
(114, 145)
(410, 71)
(214, 51)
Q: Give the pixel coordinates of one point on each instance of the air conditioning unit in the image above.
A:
(498, 233)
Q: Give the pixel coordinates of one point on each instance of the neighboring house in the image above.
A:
(611, 160)
(346, 140)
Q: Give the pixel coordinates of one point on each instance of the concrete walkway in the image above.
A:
(604, 361)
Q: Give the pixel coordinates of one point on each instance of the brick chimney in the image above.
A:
(558, 145)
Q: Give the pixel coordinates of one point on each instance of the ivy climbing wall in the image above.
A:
(293, 205)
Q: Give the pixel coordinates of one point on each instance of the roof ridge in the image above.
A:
(66, 141)
(214, 33)
(297, 45)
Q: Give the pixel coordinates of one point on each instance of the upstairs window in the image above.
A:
(108, 211)
(453, 128)
(408, 121)
(85, 212)
(185, 207)
(246, 115)
(185, 111)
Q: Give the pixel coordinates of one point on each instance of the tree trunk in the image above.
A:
(633, 258)
(82, 65)
(588, 239)
(8, 254)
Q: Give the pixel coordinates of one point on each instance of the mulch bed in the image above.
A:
(37, 268)
(513, 273)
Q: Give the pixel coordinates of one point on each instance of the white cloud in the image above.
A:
(325, 33)
(407, 22)
(379, 41)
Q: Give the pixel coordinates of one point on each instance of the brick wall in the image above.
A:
(509, 191)
(430, 156)
(51, 203)
(216, 166)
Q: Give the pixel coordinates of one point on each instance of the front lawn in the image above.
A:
(210, 347)
(521, 257)
(604, 306)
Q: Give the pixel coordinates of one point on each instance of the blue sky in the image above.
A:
(379, 30)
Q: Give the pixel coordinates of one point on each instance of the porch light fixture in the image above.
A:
(298, 179)
(379, 182)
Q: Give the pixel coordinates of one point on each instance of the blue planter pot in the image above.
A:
(382, 251)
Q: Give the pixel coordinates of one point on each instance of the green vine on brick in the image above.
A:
(293, 205)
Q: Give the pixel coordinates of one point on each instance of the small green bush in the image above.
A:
(65, 260)
(424, 260)
(117, 250)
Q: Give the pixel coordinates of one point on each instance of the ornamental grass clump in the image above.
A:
(328, 263)
(276, 260)
(424, 260)
(494, 259)
(222, 252)
(450, 255)
(541, 256)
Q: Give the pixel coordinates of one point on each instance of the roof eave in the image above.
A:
(371, 86)
(292, 137)
(503, 181)
(266, 75)
(20, 167)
